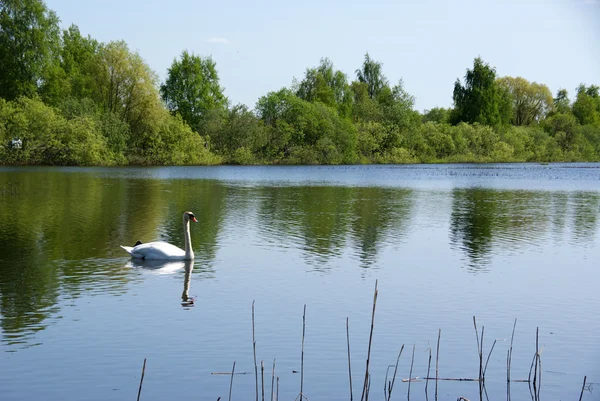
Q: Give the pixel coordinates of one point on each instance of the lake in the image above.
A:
(444, 242)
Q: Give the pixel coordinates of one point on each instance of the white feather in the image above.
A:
(160, 250)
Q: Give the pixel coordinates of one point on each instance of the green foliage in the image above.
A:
(399, 156)
(561, 101)
(126, 87)
(436, 115)
(440, 142)
(531, 102)
(49, 138)
(72, 74)
(326, 85)
(371, 74)
(293, 123)
(369, 139)
(192, 89)
(564, 128)
(236, 134)
(587, 105)
(75, 101)
(364, 108)
(481, 100)
(29, 40)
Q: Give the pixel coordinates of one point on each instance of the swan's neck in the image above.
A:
(189, 253)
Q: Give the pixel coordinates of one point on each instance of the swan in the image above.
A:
(163, 250)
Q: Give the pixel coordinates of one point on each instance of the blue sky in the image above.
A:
(260, 46)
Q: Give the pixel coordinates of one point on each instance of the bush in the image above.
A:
(49, 138)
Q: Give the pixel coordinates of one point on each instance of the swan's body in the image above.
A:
(160, 250)
(156, 251)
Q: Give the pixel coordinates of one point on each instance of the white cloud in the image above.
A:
(222, 41)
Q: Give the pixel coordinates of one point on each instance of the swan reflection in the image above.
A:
(186, 300)
(169, 267)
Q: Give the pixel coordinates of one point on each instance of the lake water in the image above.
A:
(445, 243)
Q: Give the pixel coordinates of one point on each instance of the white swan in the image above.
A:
(163, 250)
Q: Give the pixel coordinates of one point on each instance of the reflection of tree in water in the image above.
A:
(559, 207)
(585, 209)
(314, 218)
(378, 215)
(471, 224)
(321, 220)
(514, 220)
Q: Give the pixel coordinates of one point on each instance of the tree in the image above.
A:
(305, 132)
(397, 105)
(234, 132)
(364, 108)
(436, 115)
(326, 85)
(561, 101)
(564, 128)
(127, 88)
(29, 40)
(531, 101)
(71, 74)
(192, 88)
(587, 105)
(480, 99)
(372, 75)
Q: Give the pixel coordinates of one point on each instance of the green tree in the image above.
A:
(397, 106)
(531, 102)
(480, 100)
(304, 132)
(371, 74)
(49, 138)
(436, 115)
(192, 88)
(364, 108)
(71, 75)
(29, 40)
(561, 101)
(236, 134)
(126, 87)
(587, 105)
(564, 128)
(326, 85)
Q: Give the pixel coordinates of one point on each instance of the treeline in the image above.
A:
(72, 100)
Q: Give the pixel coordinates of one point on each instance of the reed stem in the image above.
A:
(582, 388)
(437, 356)
(412, 361)
(254, 350)
(395, 371)
(141, 380)
(428, 370)
(231, 381)
(273, 381)
(302, 355)
(365, 394)
(262, 379)
(349, 364)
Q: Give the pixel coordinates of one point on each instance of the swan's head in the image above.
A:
(187, 216)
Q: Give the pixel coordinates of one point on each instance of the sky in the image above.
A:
(261, 46)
